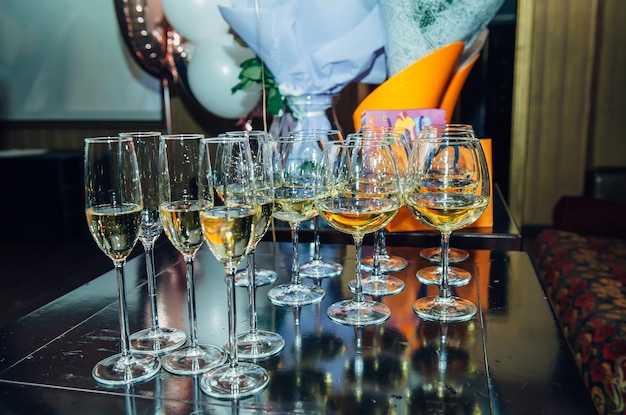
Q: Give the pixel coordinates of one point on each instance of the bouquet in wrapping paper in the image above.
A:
(415, 28)
(311, 47)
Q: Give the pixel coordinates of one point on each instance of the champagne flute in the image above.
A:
(113, 205)
(457, 276)
(317, 268)
(229, 213)
(379, 283)
(179, 200)
(257, 344)
(295, 162)
(447, 188)
(262, 276)
(155, 339)
(361, 193)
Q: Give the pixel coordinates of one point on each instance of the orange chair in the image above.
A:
(451, 96)
(420, 85)
(434, 81)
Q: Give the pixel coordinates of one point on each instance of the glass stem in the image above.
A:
(121, 301)
(377, 253)
(191, 302)
(232, 317)
(358, 286)
(295, 265)
(444, 289)
(383, 244)
(148, 247)
(317, 254)
(252, 291)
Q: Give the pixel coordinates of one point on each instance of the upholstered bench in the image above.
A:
(581, 262)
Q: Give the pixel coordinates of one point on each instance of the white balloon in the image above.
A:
(197, 20)
(212, 71)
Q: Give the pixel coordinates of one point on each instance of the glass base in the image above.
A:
(362, 313)
(193, 360)
(296, 294)
(457, 277)
(379, 286)
(261, 277)
(237, 382)
(159, 341)
(259, 345)
(434, 255)
(118, 370)
(440, 309)
(387, 263)
(317, 269)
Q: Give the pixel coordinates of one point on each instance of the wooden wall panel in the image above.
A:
(609, 144)
(554, 80)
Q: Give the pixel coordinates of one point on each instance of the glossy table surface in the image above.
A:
(509, 359)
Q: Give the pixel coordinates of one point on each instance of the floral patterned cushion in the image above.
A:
(585, 280)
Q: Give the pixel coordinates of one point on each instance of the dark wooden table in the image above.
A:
(509, 359)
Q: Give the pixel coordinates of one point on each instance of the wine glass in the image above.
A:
(457, 276)
(113, 205)
(317, 268)
(256, 344)
(295, 162)
(379, 283)
(432, 275)
(384, 261)
(229, 213)
(447, 188)
(155, 339)
(179, 204)
(262, 276)
(361, 193)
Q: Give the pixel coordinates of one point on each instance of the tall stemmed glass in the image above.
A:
(382, 262)
(432, 275)
(447, 187)
(155, 339)
(317, 268)
(179, 200)
(361, 193)
(229, 213)
(257, 344)
(113, 205)
(295, 161)
(262, 276)
(379, 283)
(455, 254)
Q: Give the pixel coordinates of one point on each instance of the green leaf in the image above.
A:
(252, 72)
(274, 101)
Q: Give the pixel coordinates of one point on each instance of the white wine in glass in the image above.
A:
(317, 268)
(262, 276)
(360, 193)
(113, 206)
(447, 188)
(155, 339)
(179, 200)
(256, 343)
(229, 211)
(456, 276)
(295, 163)
(379, 283)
